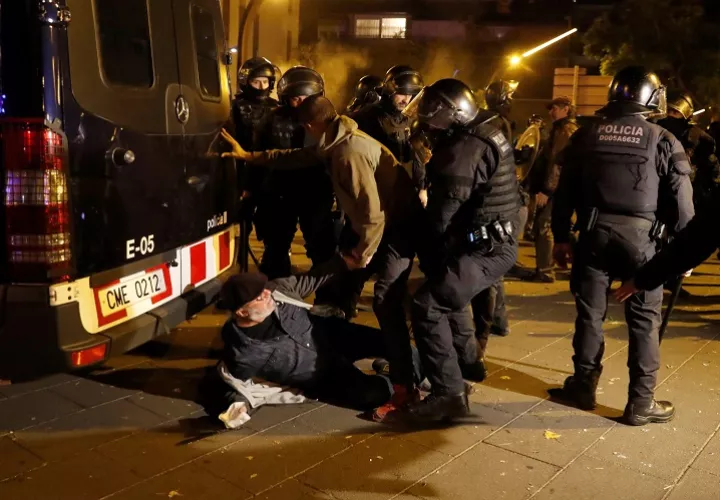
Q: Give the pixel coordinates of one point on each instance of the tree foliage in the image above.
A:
(671, 37)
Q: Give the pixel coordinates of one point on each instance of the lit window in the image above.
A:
(393, 27)
(367, 28)
(381, 27)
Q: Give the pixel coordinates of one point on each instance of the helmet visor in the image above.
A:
(658, 96)
(430, 109)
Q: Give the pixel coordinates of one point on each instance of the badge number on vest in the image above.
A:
(623, 135)
(500, 142)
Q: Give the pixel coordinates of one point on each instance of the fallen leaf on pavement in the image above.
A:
(253, 476)
(250, 458)
(551, 435)
(174, 493)
(504, 377)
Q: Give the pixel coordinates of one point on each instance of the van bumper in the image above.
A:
(37, 338)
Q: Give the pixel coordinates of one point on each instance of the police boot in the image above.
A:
(655, 412)
(578, 390)
(438, 408)
(477, 372)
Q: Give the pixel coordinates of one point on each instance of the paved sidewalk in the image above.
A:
(133, 431)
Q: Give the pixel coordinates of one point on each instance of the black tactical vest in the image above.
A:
(389, 128)
(286, 131)
(252, 117)
(620, 171)
(499, 198)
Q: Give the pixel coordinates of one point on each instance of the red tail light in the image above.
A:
(36, 201)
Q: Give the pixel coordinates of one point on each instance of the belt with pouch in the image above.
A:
(655, 228)
(493, 232)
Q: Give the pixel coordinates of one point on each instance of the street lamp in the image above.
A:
(516, 60)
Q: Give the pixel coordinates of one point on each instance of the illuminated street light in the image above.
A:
(517, 59)
(549, 42)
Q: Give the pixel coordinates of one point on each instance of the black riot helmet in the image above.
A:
(257, 67)
(366, 92)
(444, 104)
(300, 81)
(639, 90)
(499, 94)
(402, 80)
(682, 103)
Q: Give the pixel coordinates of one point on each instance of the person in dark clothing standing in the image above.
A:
(303, 196)
(252, 112)
(544, 182)
(366, 94)
(472, 212)
(384, 121)
(620, 173)
(699, 147)
(489, 311)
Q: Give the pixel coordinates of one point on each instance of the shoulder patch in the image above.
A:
(500, 141)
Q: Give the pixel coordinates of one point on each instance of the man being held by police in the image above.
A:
(544, 182)
(472, 214)
(378, 198)
(620, 174)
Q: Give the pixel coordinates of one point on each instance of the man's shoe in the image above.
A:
(438, 408)
(399, 401)
(499, 330)
(580, 393)
(657, 412)
(381, 366)
(541, 277)
(477, 372)
(519, 272)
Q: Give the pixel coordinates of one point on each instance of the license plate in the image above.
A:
(128, 293)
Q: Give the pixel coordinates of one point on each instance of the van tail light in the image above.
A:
(37, 215)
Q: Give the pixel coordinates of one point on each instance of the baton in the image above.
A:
(671, 304)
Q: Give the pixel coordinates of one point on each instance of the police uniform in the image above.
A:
(472, 212)
(619, 172)
(303, 196)
(700, 149)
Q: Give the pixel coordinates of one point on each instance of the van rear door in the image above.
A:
(209, 191)
(125, 139)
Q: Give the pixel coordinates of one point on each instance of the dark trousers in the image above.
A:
(448, 293)
(341, 383)
(603, 255)
(489, 313)
(276, 221)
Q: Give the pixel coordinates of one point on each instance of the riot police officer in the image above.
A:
(251, 112)
(489, 310)
(699, 147)
(385, 122)
(620, 173)
(472, 215)
(366, 94)
(303, 196)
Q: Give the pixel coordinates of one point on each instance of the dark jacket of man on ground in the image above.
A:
(293, 346)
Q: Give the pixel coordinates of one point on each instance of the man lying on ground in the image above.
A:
(274, 336)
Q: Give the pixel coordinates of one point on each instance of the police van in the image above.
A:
(118, 210)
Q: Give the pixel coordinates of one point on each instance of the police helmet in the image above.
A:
(683, 104)
(300, 81)
(402, 80)
(444, 104)
(638, 87)
(256, 67)
(366, 92)
(500, 93)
